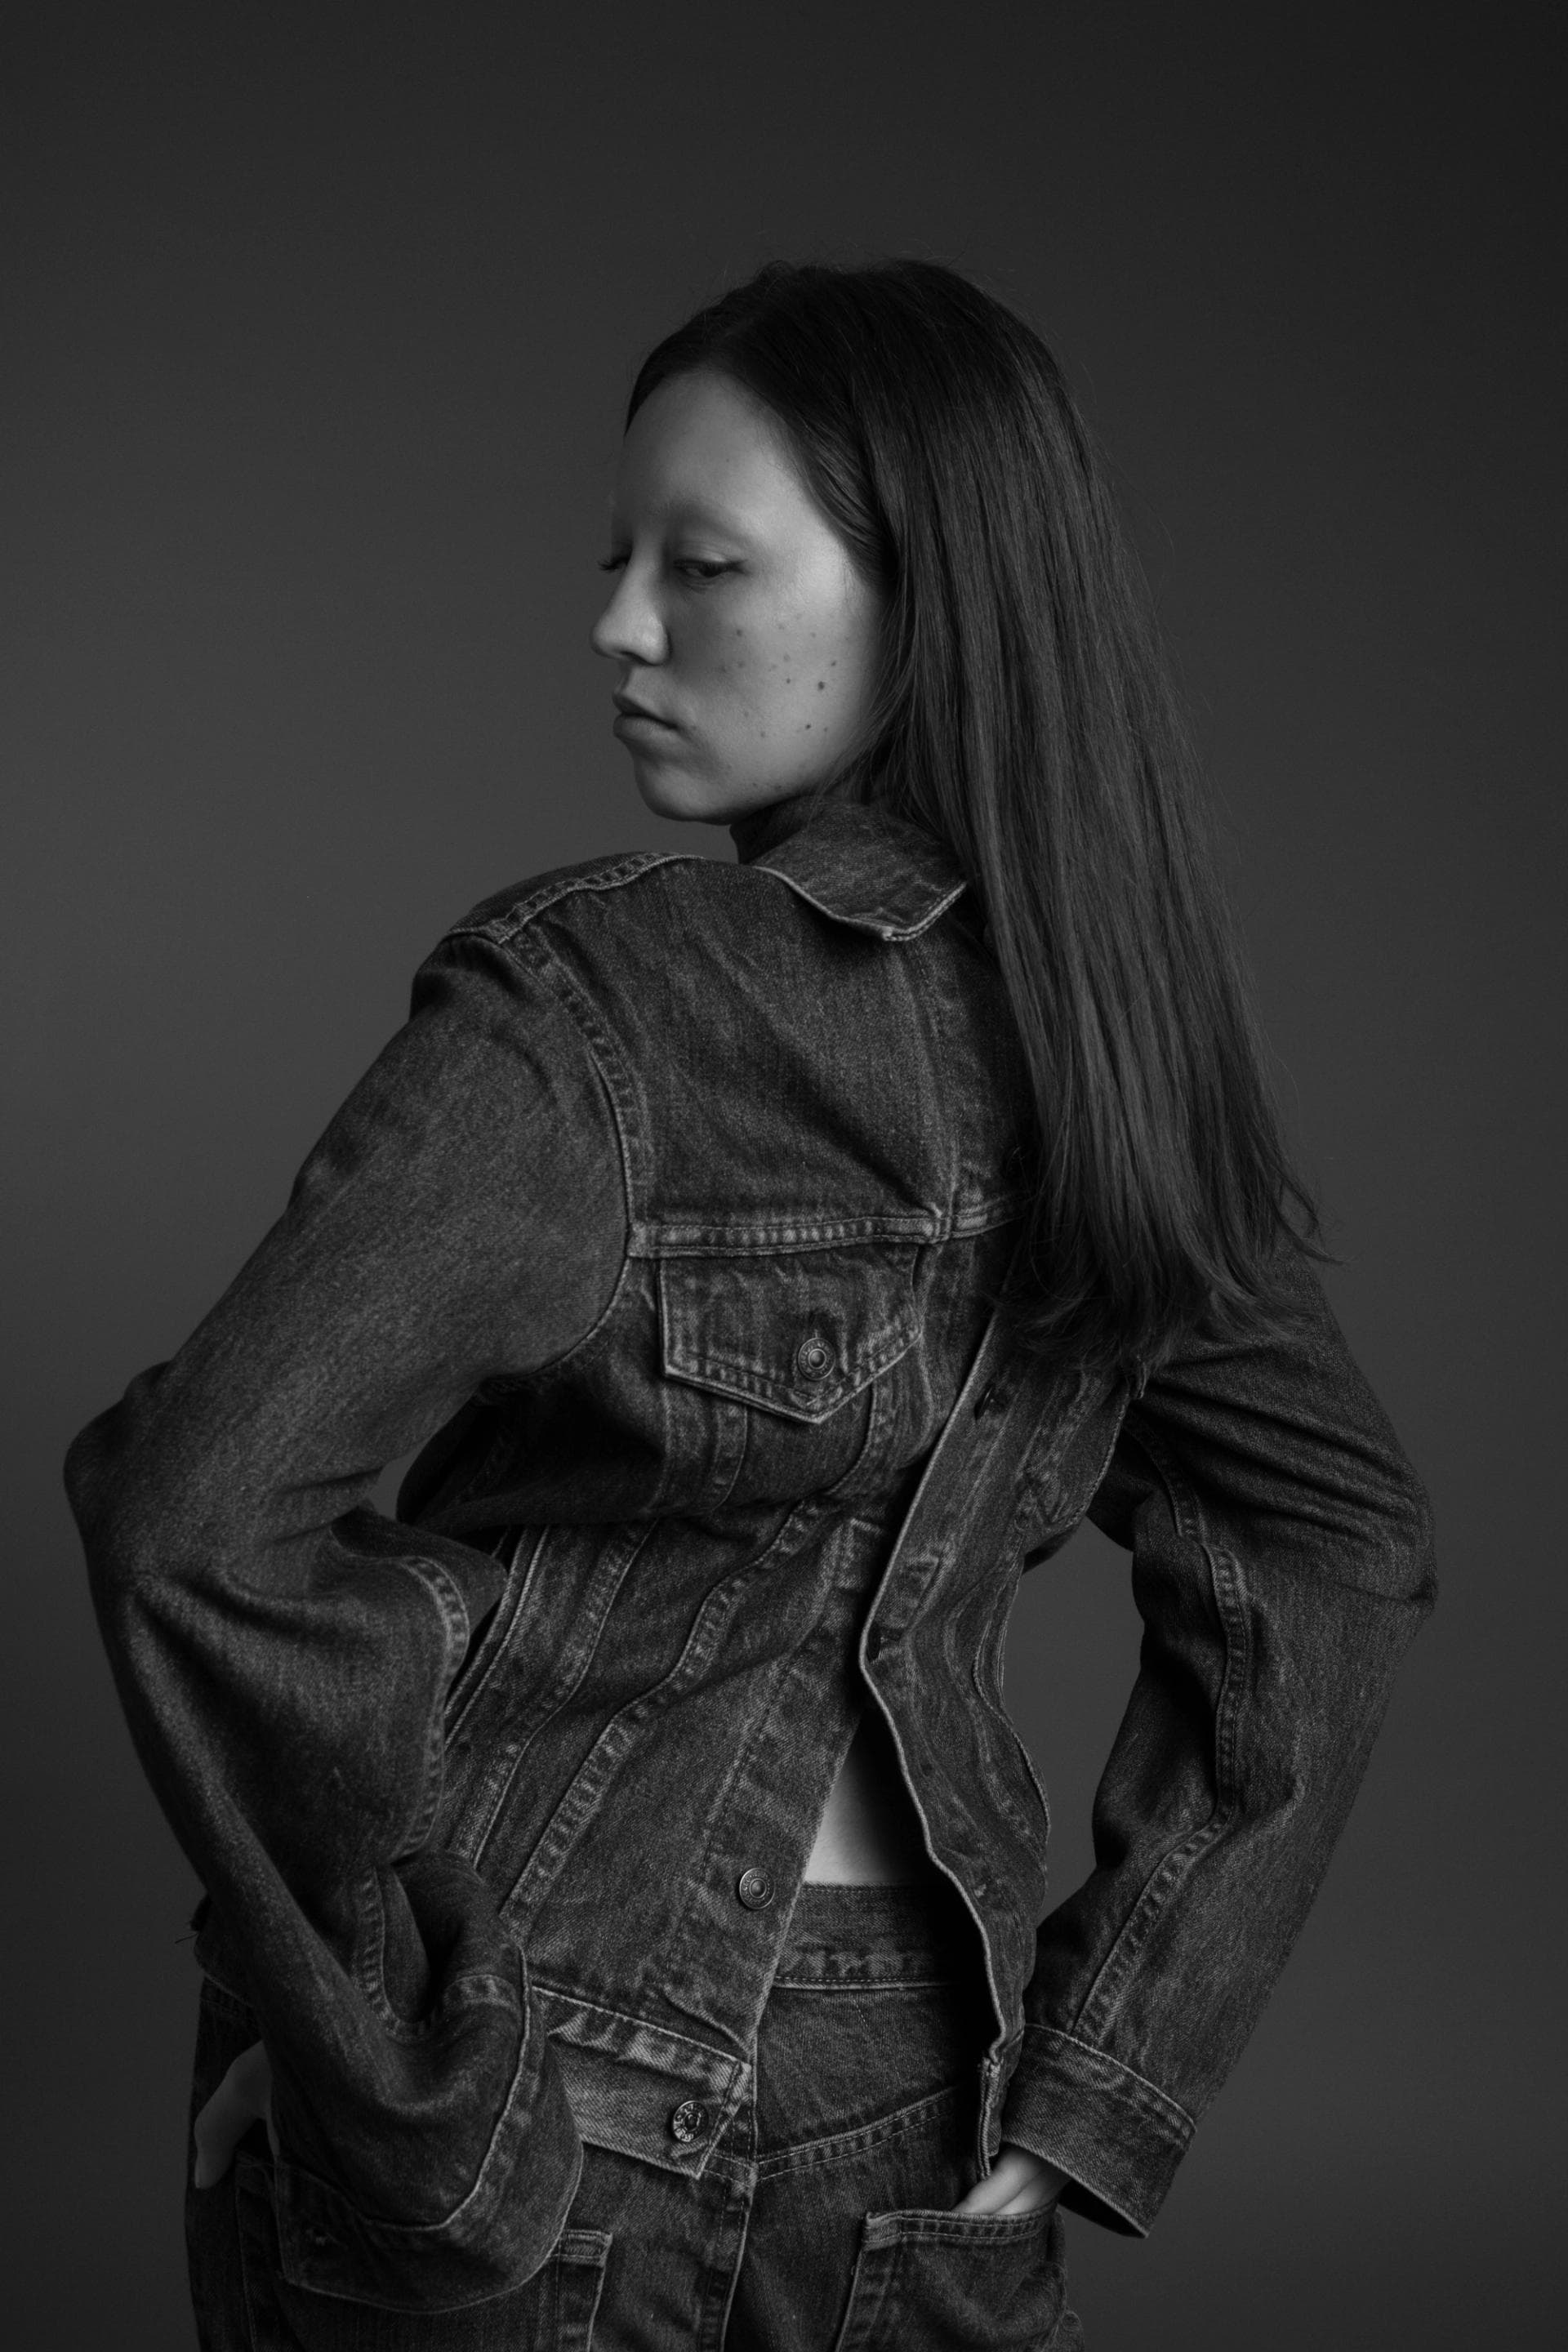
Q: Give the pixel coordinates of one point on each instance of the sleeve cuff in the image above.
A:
(1118, 2138)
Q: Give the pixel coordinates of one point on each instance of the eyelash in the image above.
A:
(706, 572)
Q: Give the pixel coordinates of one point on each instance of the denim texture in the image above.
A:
(823, 2221)
(673, 1221)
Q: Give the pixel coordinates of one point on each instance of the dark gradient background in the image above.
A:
(317, 324)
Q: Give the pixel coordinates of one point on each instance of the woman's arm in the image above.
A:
(283, 1651)
(1281, 1560)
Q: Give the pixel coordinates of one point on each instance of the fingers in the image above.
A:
(1009, 2178)
(218, 2128)
(1018, 2182)
(244, 2095)
(1029, 2200)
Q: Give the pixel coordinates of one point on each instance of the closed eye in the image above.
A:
(697, 571)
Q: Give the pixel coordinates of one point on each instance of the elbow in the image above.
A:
(121, 1487)
(1380, 1537)
(1411, 1543)
(89, 1475)
(101, 1489)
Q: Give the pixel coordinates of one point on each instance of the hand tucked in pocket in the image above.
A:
(243, 2097)
(1018, 2182)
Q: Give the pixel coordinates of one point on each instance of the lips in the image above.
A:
(638, 710)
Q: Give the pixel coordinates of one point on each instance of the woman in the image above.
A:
(625, 1892)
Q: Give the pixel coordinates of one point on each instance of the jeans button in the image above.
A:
(689, 2122)
(814, 1359)
(755, 1889)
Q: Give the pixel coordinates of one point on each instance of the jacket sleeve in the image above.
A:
(284, 1651)
(1281, 1560)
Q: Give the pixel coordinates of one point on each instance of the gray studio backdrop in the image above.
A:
(317, 328)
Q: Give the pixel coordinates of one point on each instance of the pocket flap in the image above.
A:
(799, 1335)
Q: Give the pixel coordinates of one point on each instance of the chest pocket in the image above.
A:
(799, 1335)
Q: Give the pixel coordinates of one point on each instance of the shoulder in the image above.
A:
(628, 891)
(855, 869)
(505, 913)
(681, 920)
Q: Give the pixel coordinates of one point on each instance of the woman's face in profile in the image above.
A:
(745, 638)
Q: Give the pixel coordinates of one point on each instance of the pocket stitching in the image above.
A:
(690, 1354)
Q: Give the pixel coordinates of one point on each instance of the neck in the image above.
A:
(763, 829)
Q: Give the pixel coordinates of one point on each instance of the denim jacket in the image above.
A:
(674, 1221)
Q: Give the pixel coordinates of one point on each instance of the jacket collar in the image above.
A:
(857, 864)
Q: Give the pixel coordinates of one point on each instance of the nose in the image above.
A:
(629, 629)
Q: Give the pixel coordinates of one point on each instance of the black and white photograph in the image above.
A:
(785, 820)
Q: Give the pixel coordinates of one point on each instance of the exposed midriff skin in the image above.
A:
(869, 1835)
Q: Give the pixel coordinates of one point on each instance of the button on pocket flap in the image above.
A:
(799, 1334)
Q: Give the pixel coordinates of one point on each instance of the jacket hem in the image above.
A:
(495, 2238)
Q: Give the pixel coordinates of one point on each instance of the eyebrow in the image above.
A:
(694, 510)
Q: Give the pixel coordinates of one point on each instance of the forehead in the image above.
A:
(701, 444)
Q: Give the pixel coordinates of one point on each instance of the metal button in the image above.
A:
(755, 1889)
(690, 2121)
(814, 1359)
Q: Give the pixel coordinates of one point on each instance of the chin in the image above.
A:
(674, 796)
(672, 791)
(688, 799)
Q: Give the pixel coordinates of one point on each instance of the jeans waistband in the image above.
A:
(919, 1934)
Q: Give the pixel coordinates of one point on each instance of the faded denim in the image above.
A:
(680, 1203)
(823, 2221)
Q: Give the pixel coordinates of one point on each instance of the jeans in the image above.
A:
(822, 2224)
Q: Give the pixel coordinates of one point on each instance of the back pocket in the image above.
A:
(934, 2282)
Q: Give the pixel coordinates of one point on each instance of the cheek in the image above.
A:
(831, 648)
(823, 681)
(799, 672)
(795, 676)
(738, 675)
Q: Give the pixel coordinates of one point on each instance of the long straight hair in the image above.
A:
(1026, 716)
